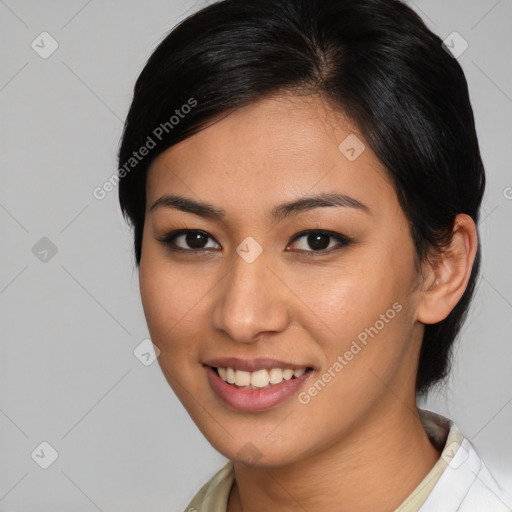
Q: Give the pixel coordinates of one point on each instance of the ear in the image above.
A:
(449, 273)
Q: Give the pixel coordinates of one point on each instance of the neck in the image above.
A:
(374, 468)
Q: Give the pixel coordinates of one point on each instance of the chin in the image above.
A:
(259, 452)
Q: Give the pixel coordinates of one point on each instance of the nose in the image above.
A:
(250, 301)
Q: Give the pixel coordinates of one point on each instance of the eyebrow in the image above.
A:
(278, 213)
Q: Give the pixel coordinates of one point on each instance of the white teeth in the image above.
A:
(258, 379)
(276, 376)
(230, 375)
(287, 374)
(242, 378)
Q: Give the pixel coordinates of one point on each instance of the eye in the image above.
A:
(189, 240)
(320, 241)
(314, 241)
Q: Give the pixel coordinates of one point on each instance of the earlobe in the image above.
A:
(450, 273)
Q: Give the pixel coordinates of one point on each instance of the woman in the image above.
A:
(304, 181)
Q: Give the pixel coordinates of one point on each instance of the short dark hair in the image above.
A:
(374, 60)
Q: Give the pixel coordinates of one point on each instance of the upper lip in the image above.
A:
(251, 365)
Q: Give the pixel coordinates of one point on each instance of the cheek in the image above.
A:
(172, 305)
(345, 299)
(362, 309)
(171, 301)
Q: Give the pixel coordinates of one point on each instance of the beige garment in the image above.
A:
(443, 434)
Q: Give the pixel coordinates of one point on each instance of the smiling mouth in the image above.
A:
(259, 379)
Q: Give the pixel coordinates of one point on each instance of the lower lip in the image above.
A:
(253, 400)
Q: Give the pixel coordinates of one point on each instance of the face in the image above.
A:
(287, 250)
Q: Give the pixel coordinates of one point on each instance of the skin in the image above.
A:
(359, 444)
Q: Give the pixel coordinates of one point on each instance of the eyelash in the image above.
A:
(169, 240)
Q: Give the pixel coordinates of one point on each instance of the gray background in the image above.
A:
(71, 320)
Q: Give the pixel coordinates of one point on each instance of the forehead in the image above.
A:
(274, 149)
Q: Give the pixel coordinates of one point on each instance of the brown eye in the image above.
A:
(319, 241)
(188, 240)
(195, 239)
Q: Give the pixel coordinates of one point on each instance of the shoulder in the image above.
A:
(466, 484)
(213, 495)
